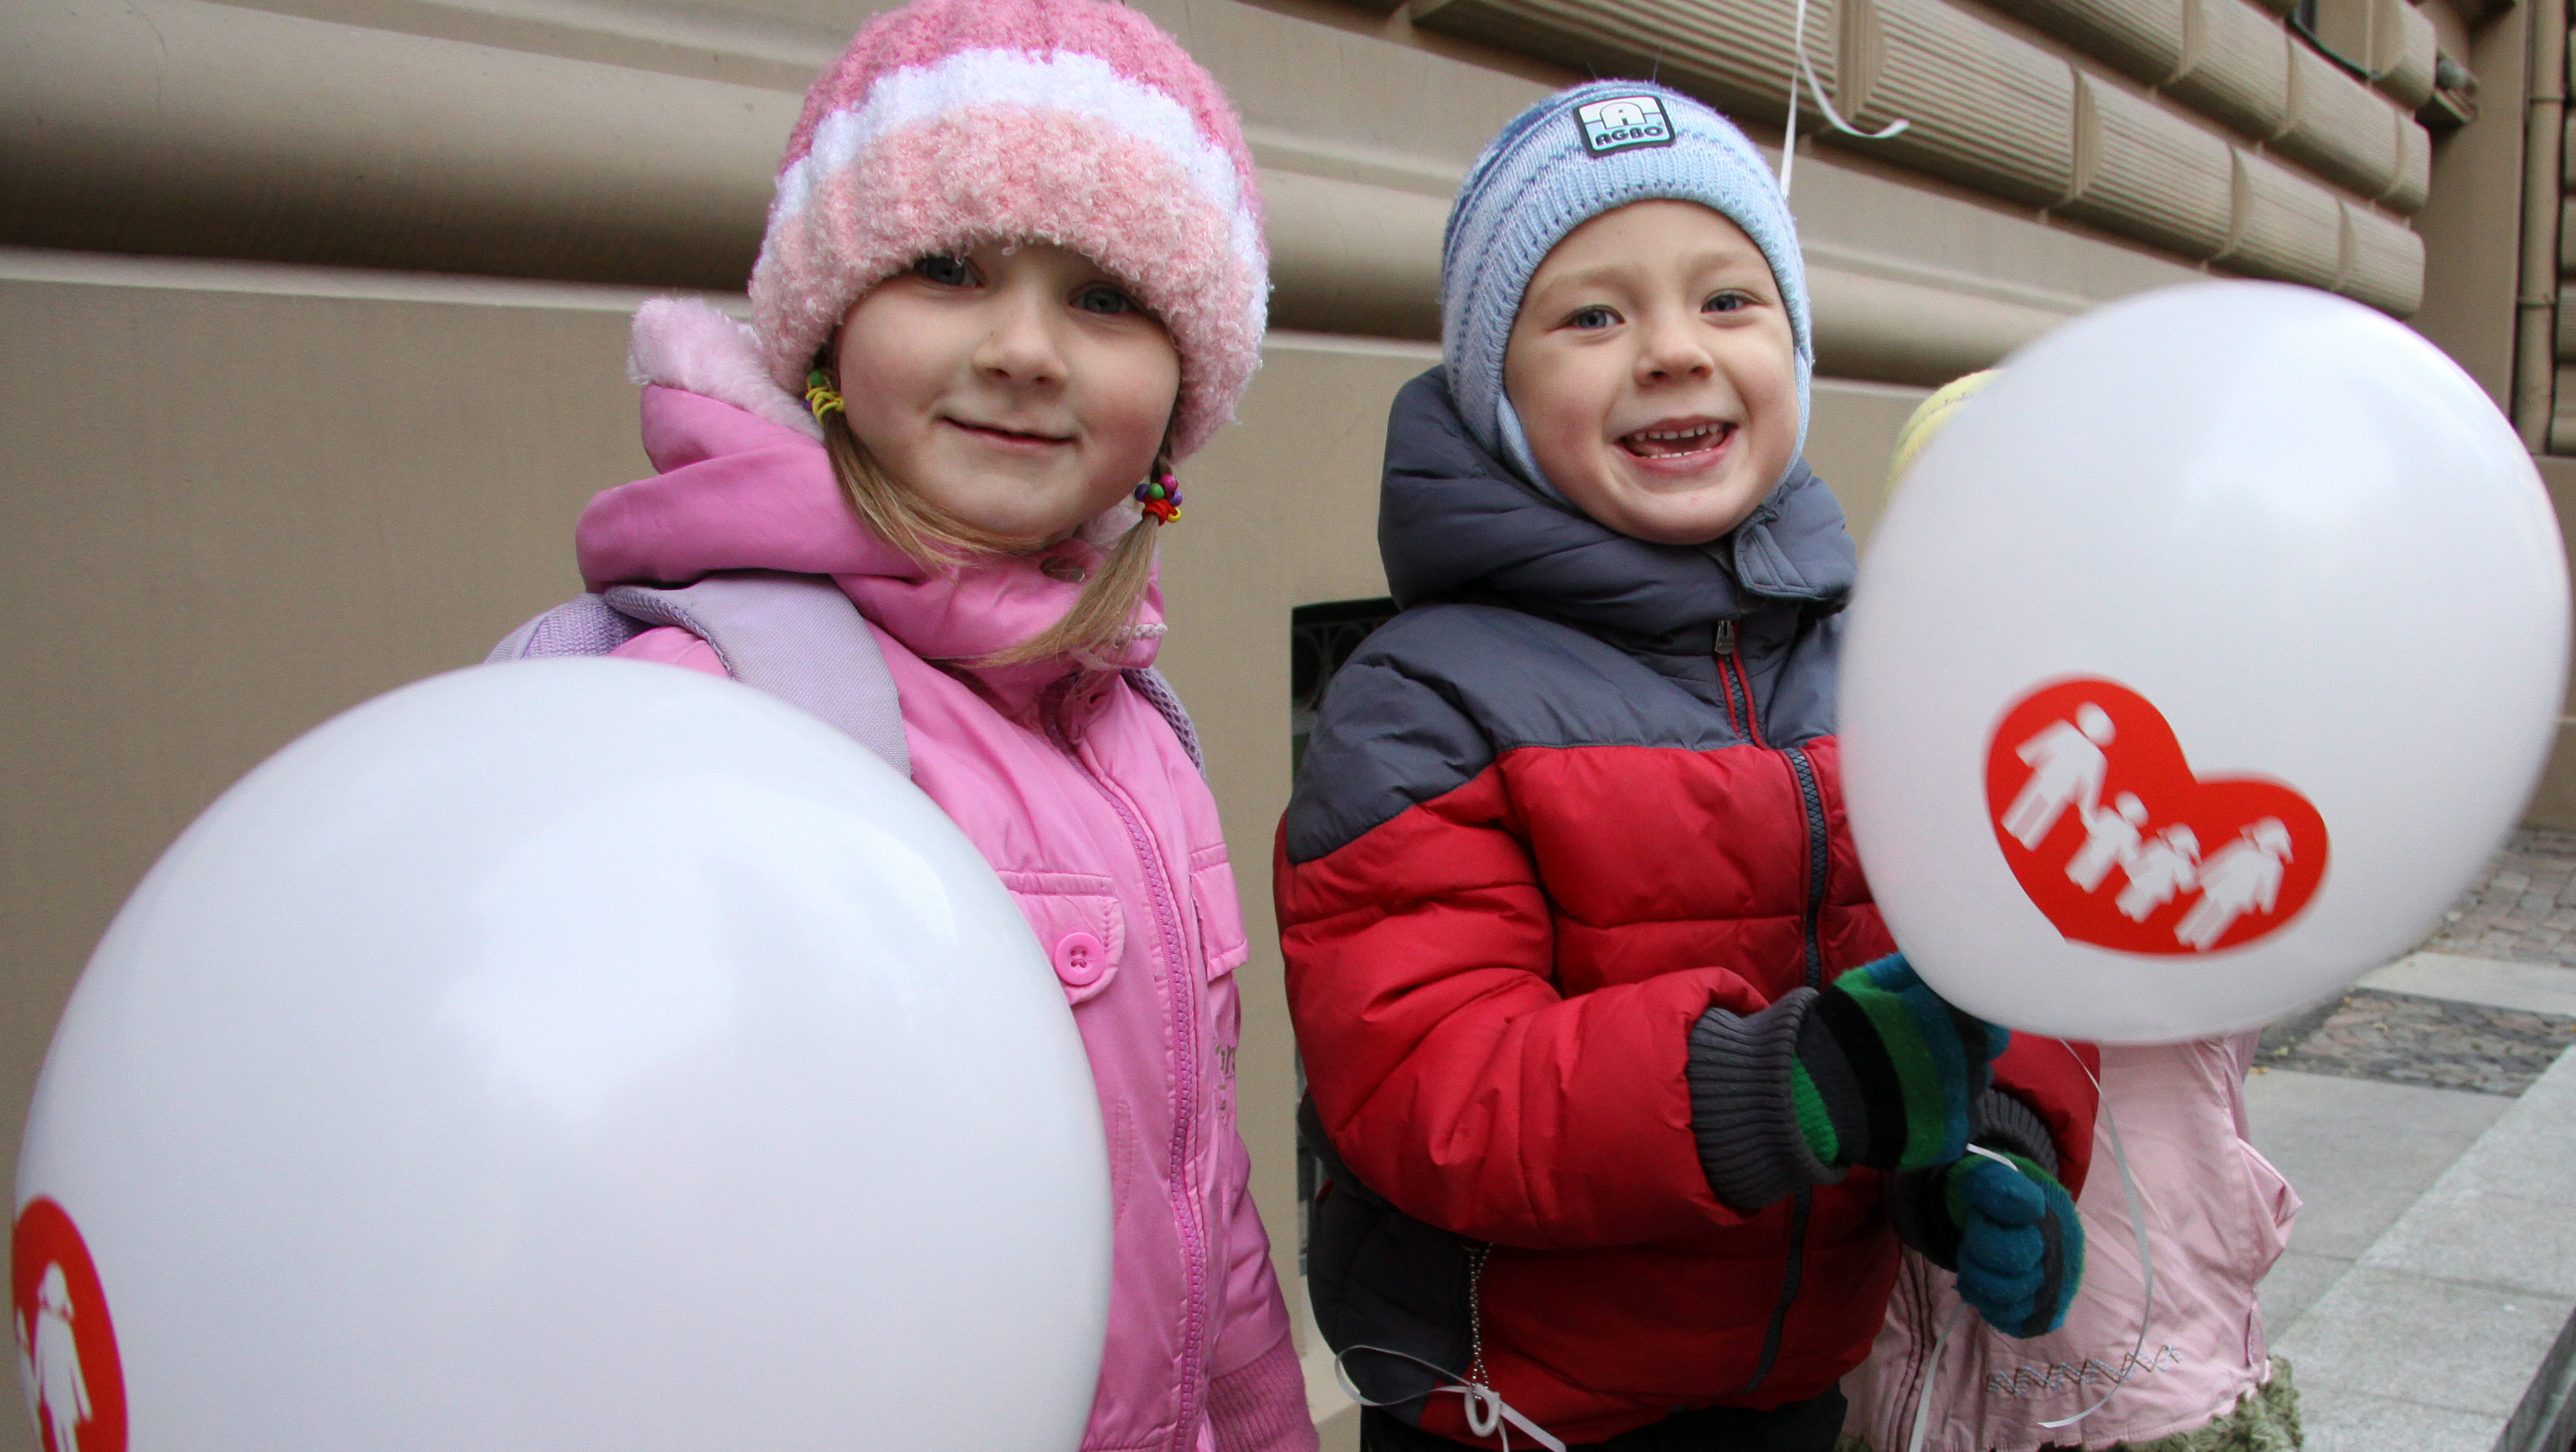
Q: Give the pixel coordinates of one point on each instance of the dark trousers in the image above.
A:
(1808, 1426)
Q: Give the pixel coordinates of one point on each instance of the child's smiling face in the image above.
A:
(1655, 373)
(1022, 390)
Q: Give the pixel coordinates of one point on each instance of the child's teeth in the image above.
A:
(1647, 440)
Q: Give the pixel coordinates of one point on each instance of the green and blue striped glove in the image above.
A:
(1873, 1069)
(1886, 1071)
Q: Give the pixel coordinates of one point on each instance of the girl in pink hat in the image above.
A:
(1012, 278)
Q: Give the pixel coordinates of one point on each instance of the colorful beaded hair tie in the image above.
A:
(821, 396)
(1161, 498)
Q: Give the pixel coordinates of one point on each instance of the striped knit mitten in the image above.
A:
(1885, 1071)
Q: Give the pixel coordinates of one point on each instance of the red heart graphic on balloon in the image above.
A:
(66, 1341)
(2119, 845)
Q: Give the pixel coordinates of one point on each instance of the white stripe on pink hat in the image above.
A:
(1065, 80)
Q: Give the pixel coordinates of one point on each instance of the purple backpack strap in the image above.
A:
(1149, 683)
(796, 637)
(583, 625)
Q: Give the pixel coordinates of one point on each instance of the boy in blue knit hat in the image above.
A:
(1622, 1097)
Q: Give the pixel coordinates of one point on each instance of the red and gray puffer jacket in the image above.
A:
(1582, 789)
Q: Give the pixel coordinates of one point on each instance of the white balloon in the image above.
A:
(2298, 533)
(575, 1054)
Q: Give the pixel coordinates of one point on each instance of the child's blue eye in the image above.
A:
(1101, 298)
(1592, 317)
(946, 271)
(1726, 302)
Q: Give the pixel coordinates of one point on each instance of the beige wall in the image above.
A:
(2553, 805)
(628, 143)
(2472, 249)
(2471, 239)
(1283, 512)
(230, 514)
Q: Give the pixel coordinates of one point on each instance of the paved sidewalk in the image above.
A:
(2453, 1330)
(2524, 909)
(2359, 1153)
(2430, 1033)
(2428, 1120)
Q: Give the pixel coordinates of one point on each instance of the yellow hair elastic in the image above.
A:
(821, 397)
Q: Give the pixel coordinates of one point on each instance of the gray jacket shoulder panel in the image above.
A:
(1527, 623)
(1439, 693)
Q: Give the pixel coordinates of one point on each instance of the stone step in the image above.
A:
(2454, 1329)
(2527, 987)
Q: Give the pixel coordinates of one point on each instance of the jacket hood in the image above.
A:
(743, 484)
(1455, 522)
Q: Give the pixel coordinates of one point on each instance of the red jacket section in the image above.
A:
(1493, 993)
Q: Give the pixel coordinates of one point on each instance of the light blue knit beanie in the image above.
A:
(1561, 163)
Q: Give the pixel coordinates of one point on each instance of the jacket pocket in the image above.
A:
(1222, 949)
(1222, 941)
(1078, 923)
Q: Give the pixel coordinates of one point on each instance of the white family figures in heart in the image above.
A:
(2068, 765)
(49, 1362)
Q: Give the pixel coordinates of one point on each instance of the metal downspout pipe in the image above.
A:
(2535, 344)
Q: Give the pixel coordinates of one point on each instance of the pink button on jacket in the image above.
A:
(1080, 796)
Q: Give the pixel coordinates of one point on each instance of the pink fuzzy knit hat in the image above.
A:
(1075, 122)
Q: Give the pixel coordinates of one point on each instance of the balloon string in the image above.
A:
(1932, 1368)
(1486, 1410)
(2138, 1225)
(2001, 1159)
(1806, 70)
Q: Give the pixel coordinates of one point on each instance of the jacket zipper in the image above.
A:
(1917, 1286)
(1739, 709)
(1477, 1255)
(1185, 1210)
(1737, 686)
(1811, 799)
(1819, 862)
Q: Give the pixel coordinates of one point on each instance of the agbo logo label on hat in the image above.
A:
(1622, 123)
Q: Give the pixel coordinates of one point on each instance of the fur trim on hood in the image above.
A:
(685, 343)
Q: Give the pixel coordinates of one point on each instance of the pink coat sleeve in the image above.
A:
(1257, 1390)
(670, 645)
(1257, 1397)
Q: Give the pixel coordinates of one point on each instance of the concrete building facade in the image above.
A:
(313, 318)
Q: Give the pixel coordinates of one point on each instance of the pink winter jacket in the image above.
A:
(1078, 793)
(2217, 1216)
